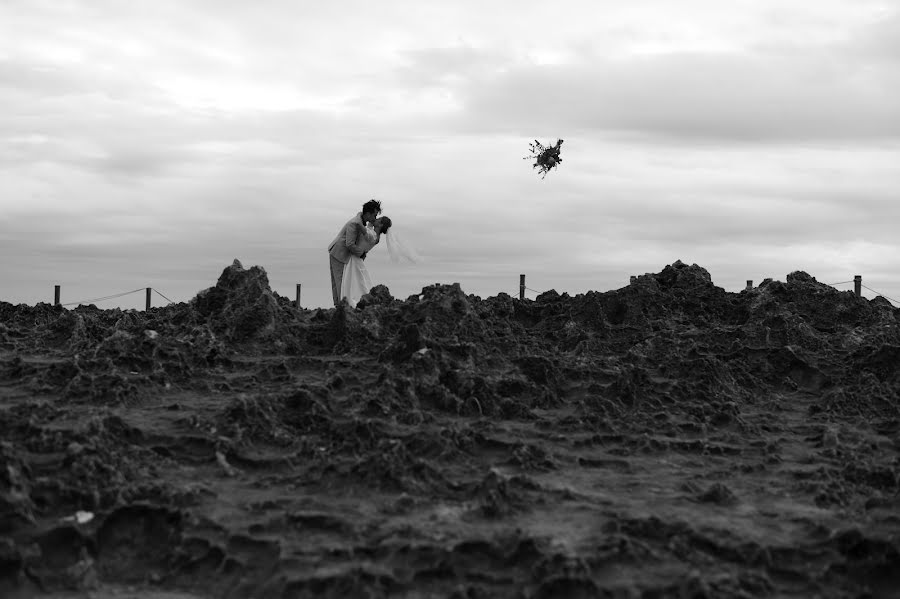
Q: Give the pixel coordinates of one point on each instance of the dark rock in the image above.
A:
(547, 296)
(798, 276)
(326, 416)
(408, 341)
(241, 305)
(718, 494)
(681, 275)
(378, 295)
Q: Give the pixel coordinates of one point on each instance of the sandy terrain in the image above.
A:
(667, 439)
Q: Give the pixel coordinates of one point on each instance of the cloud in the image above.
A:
(168, 138)
(442, 66)
(831, 84)
(691, 97)
(876, 41)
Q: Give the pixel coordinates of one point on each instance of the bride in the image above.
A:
(356, 281)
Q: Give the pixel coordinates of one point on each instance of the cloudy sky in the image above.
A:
(149, 143)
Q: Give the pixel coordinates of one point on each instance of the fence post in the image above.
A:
(56, 295)
(857, 284)
(148, 297)
(521, 287)
(298, 296)
(749, 284)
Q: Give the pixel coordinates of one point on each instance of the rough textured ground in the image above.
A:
(666, 439)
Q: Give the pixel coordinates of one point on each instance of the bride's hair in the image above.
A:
(386, 224)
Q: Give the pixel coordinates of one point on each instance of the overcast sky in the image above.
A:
(149, 143)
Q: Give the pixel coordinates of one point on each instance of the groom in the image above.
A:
(346, 244)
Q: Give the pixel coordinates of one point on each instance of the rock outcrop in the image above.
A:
(698, 442)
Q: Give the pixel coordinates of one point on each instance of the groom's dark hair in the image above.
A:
(372, 206)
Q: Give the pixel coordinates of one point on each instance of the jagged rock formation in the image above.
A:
(696, 442)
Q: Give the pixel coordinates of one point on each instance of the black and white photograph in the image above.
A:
(449, 299)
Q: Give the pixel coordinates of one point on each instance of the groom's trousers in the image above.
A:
(337, 276)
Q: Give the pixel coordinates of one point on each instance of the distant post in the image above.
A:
(521, 287)
(857, 285)
(56, 295)
(298, 296)
(749, 284)
(148, 297)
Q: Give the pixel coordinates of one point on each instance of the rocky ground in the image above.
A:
(666, 439)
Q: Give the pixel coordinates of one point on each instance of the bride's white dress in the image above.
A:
(356, 281)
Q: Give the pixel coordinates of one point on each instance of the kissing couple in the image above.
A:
(347, 253)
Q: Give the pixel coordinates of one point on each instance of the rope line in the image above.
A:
(881, 294)
(164, 297)
(830, 284)
(519, 290)
(100, 299)
(159, 293)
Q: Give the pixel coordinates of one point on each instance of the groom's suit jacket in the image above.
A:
(347, 241)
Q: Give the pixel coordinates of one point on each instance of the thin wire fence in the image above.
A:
(521, 291)
(876, 292)
(517, 291)
(162, 296)
(523, 288)
(104, 298)
(535, 290)
(882, 295)
(116, 295)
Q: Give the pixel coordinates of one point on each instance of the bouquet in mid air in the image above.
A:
(545, 157)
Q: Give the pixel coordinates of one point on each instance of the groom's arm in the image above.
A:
(351, 236)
